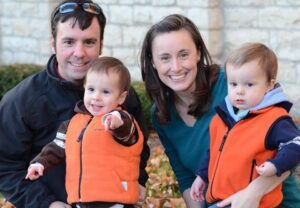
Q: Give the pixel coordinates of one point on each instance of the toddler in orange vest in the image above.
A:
(101, 144)
(251, 134)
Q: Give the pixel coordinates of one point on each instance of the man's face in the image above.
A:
(75, 49)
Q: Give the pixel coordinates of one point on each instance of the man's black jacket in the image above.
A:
(30, 114)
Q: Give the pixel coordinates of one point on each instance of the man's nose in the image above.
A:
(79, 50)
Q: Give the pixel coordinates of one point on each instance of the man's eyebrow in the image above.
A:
(90, 40)
(67, 38)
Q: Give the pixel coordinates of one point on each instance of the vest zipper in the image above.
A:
(220, 150)
(223, 141)
(79, 139)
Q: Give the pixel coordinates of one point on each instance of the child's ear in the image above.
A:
(122, 97)
(271, 84)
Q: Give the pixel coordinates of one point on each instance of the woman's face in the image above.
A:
(175, 58)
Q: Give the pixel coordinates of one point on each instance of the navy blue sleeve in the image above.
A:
(203, 170)
(134, 107)
(284, 135)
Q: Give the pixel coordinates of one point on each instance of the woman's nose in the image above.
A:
(175, 65)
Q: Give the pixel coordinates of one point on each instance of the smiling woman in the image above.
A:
(186, 86)
(182, 81)
(176, 64)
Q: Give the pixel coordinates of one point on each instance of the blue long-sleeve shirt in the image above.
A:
(186, 146)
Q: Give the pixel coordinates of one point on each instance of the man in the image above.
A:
(32, 111)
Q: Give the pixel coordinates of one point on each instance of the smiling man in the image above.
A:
(31, 112)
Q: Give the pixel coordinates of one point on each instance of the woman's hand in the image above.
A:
(252, 194)
(197, 189)
(244, 198)
(142, 196)
(189, 202)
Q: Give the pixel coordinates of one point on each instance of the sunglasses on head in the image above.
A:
(73, 6)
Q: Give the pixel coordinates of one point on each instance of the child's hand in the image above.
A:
(197, 189)
(35, 171)
(112, 121)
(266, 169)
(58, 204)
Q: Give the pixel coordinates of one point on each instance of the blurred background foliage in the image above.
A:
(11, 75)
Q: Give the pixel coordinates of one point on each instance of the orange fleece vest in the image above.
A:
(232, 167)
(99, 169)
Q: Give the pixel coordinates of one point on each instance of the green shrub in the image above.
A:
(11, 75)
(146, 103)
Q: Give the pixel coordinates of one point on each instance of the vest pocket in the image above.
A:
(120, 185)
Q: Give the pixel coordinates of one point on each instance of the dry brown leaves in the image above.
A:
(162, 187)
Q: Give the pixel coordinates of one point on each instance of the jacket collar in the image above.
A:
(275, 97)
(80, 108)
(52, 74)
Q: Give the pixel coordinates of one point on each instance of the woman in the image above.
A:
(185, 86)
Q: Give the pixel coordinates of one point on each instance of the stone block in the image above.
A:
(279, 18)
(126, 55)
(237, 17)
(142, 14)
(288, 45)
(113, 35)
(235, 37)
(121, 14)
(158, 13)
(134, 35)
(288, 2)
(198, 3)
(287, 72)
(163, 2)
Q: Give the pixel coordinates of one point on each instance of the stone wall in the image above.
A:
(275, 23)
(224, 24)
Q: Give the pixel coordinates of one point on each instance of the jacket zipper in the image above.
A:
(79, 139)
(220, 150)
